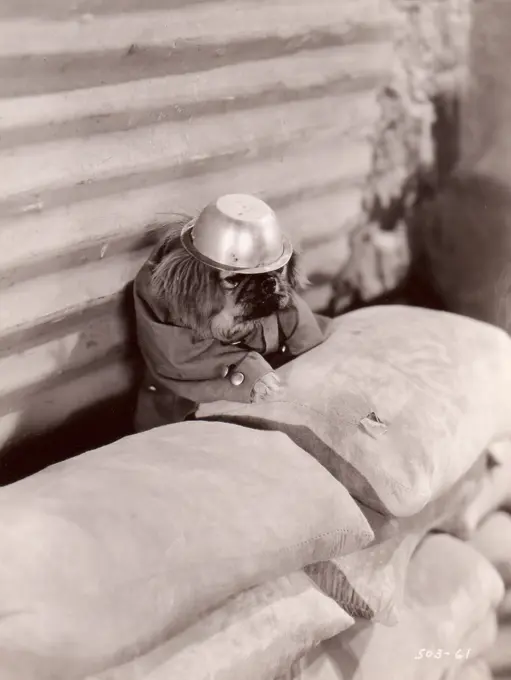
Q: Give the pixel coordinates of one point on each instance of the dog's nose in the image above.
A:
(269, 286)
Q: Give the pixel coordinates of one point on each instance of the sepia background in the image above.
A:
(115, 116)
(379, 130)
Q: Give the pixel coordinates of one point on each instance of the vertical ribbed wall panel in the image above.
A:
(115, 115)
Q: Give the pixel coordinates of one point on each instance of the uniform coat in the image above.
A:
(183, 370)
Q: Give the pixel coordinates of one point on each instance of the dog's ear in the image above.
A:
(188, 288)
(295, 276)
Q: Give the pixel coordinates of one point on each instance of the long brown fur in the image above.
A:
(197, 296)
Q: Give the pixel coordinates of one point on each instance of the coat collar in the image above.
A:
(267, 336)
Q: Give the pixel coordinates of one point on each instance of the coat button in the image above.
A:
(237, 379)
(283, 349)
(152, 388)
(225, 371)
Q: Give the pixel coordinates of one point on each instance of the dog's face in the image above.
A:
(249, 297)
(217, 303)
(258, 295)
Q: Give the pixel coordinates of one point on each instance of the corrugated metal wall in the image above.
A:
(114, 115)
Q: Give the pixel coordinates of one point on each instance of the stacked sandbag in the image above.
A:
(487, 522)
(257, 634)
(108, 556)
(446, 626)
(294, 539)
(400, 404)
(443, 624)
(370, 583)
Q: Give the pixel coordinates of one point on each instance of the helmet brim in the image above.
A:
(281, 261)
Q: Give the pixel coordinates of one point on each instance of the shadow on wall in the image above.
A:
(427, 184)
(460, 234)
(372, 265)
(462, 244)
(89, 428)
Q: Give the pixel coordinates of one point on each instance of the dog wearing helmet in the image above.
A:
(218, 310)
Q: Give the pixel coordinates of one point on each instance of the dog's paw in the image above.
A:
(266, 388)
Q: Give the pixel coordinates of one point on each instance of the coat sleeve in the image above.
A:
(193, 369)
(251, 365)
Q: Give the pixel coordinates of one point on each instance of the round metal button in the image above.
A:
(225, 371)
(237, 379)
(283, 349)
(152, 388)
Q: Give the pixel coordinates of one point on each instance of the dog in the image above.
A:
(206, 334)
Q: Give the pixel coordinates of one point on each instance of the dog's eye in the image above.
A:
(231, 281)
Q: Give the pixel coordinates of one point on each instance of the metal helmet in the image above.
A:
(238, 233)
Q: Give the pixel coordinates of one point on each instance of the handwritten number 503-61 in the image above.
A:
(459, 654)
